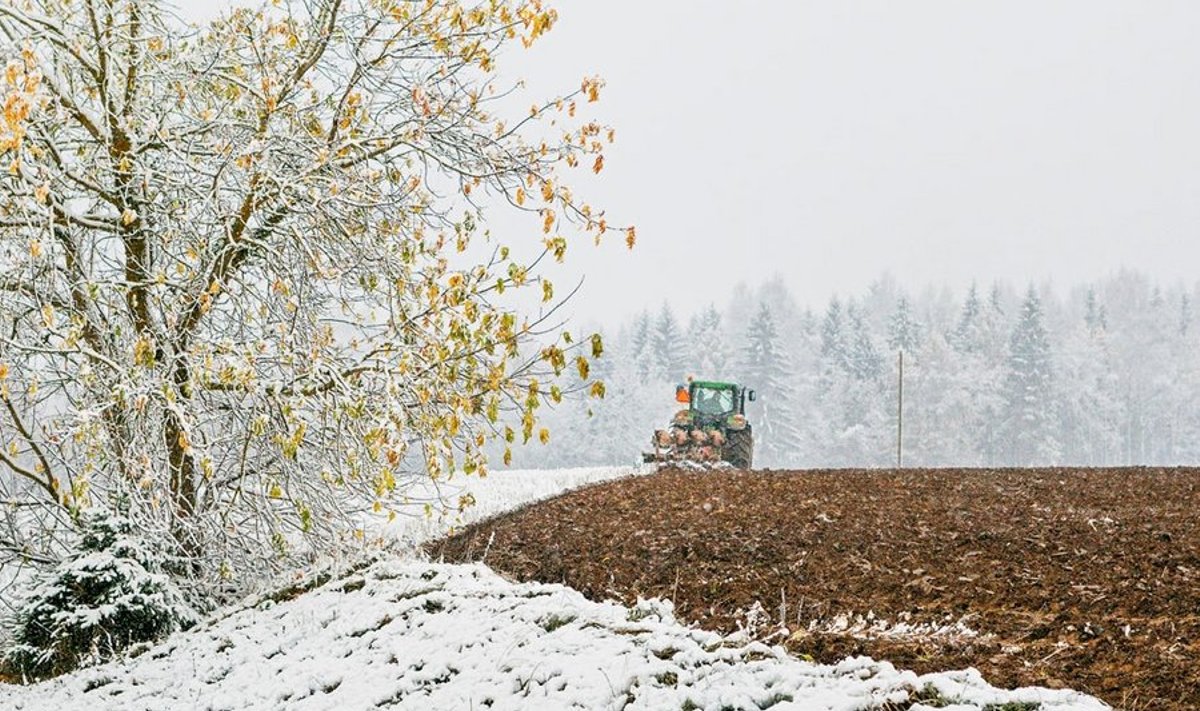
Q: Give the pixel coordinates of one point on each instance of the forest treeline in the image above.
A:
(1104, 373)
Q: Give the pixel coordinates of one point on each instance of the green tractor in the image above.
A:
(712, 429)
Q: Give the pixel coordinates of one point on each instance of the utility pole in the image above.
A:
(900, 416)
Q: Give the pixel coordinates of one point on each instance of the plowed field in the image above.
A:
(1088, 579)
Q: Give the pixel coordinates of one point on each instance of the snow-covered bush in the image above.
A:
(112, 591)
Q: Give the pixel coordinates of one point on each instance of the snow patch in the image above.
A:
(871, 627)
(412, 635)
(497, 493)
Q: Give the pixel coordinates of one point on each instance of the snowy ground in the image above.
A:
(409, 634)
(412, 635)
(497, 493)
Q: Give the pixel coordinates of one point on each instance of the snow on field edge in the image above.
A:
(498, 493)
(413, 635)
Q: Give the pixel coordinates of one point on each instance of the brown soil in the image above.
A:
(1088, 579)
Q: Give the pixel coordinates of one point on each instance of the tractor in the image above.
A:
(711, 430)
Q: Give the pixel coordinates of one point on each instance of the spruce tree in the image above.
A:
(640, 347)
(968, 322)
(707, 344)
(982, 328)
(904, 333)
(766, 368)
(863, 361)
(1030, 423)
(834, 349)
(112, 591)
(669, 354)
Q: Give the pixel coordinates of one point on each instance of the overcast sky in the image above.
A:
(830, 142)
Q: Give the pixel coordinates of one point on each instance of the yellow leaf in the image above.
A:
(598, 165)
(548, 191)
(544, 436)
(520, 196)
(143, 352)
(128, 216)
(630, 237)
(591, 87)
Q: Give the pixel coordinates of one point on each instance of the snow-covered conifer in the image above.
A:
(707, 345)
(641, 350)
(904, 333)
(1029, 420)
(968, 322)
(668, 348)
(863, 358)
(112, 591)
(834, 349)
(766, 368)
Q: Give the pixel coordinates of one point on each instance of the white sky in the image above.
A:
(830, 142)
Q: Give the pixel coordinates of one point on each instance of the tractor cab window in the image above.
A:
(713, 402)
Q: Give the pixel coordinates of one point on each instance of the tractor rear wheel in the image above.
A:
(739, 448)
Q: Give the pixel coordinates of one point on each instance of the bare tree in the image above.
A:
(243, 283)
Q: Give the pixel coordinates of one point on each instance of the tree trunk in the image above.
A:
(182, 471)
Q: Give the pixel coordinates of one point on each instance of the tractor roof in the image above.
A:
(714, 385)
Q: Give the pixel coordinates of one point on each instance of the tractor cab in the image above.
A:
(713, 403)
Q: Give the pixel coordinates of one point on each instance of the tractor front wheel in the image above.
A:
(739, 449)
